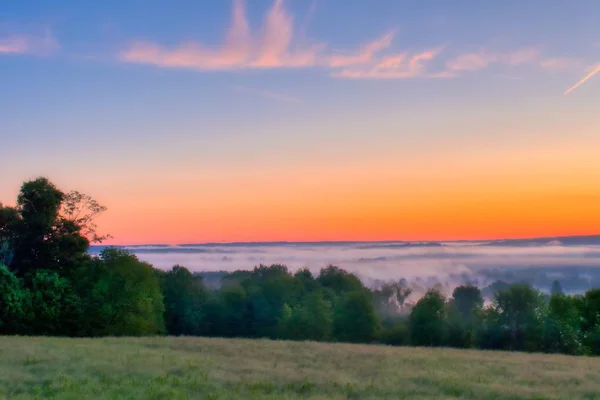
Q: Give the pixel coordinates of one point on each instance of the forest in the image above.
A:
(51, 286)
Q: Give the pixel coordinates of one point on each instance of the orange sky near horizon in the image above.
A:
(551, 190)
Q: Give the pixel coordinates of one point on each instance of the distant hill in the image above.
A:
(548, 241)
(590, 240)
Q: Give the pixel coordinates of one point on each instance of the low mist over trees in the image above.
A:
(50, 285)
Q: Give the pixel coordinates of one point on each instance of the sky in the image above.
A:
(305, 120)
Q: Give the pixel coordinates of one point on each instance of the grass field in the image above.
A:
(199, 368)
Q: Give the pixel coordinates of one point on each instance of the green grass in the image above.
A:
(200, 368)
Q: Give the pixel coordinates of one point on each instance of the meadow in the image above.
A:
(203, 368)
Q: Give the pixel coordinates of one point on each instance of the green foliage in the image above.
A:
(562, 326)
(355, 319)
(311, 319)
(184, 295)
(54, 306)
(123, 296)
(589, 307)
(12, 302)
(464, 314)
(47, 230)
(428, 320)
(338, 280)
(396, 335)
(269, 289)
(227, 313)
(519, 312)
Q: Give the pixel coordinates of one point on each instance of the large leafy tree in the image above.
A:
(464, 314)
(269, 288)
(47, 229)
(184, 295)
(338, 280)
(428, 325)
(562, 326)
(355, 319)
(520, 310)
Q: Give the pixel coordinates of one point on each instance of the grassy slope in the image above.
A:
(238, 369)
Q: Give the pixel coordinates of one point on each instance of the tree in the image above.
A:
(226, 313)
(184, 295)
(122, 296)
(269, 288)
(38, 204)
(464, 313)
(428, 320)
(339, 280)
(306, 279)
(12, 302)
(312, 319)
(589, 306)
(395, 294)
(520, 312)
(47, 229)
(81, 210)
(55, 307)
(355, 319)
(562, 326)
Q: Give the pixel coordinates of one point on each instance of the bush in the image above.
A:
(397, 335)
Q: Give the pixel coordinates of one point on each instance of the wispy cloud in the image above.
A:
(396, 66)
(272, 49)
(13, 45)
(560, 63)
(276, 44)
(481, 60)
(29, 44)
(275, 47)
(364, 54)
(593, 71)
(268, 94)
(469, 62)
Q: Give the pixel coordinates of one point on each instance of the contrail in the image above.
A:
(581, 82)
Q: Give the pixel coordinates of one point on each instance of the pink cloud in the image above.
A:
(29, 44)
(469, 62)
(364, 54)
(519, 57)
(399, 66)
(482, 60)
(553, 64)
(14, 45)
(239, 50)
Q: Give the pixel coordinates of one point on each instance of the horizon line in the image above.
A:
(348, 241)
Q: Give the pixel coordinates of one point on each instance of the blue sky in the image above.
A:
(97, 95)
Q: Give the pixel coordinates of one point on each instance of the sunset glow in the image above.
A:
(282, 121)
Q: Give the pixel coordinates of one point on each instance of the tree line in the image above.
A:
(50, 285)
